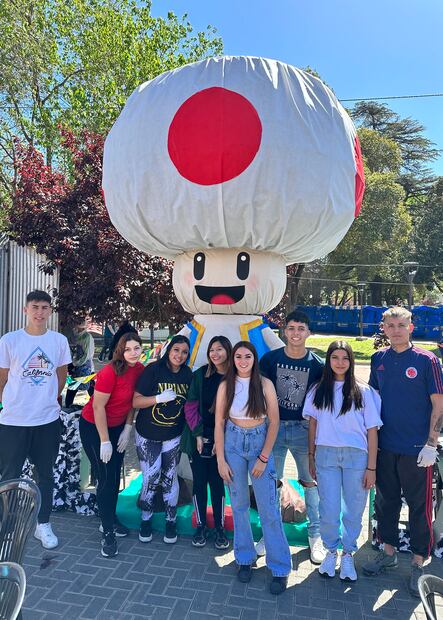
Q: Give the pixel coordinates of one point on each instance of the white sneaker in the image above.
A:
(43, 533)
(318, 552)
(260, 548)
(327, 568)
(347, 568)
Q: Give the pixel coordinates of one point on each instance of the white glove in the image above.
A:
(166, 396)
(105, 451)
(123, 440)
(427, 456)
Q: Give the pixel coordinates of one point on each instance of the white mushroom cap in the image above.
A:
(233, 152)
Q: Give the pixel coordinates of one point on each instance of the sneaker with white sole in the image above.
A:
(43, 533)
(347, 568)
(327, 568)
(120, 530)
(260, 548)
(318, 552)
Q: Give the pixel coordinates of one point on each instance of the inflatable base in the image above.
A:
(130, 515)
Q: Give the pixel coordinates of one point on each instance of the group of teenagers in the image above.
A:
(236, 418)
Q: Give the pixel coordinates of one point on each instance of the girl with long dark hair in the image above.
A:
(160, 395)
(344, 416)
(246, 426)
(198, 441)
(105, 427)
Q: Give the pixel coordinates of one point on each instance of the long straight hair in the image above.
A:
(226, 344)
(324, 390)
(118, 357)
(256, 405)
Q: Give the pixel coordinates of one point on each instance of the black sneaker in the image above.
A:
(380, 563)
(120, 530)
(170, 536)
(244, 573)
(278, 585)
(109, 545)
(200, 536)
(221, 542)
(145, 533)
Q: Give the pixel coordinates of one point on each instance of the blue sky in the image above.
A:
(362, 50)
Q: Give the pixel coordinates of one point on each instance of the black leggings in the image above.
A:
(108, 474)
(40, 444)
(204, 471)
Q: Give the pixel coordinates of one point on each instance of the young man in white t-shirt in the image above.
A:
(33, 369)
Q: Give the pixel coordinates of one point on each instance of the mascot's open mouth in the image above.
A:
(220, 295)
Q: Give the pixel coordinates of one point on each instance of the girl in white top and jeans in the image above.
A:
(344, 416)
(243, 443)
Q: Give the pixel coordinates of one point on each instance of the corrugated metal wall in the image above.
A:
(3, 282)
(19, 274)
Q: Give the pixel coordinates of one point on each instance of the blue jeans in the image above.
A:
(293, 436)
(340, 474)
(242, 447)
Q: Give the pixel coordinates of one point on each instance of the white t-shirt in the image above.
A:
(348, 430)
(30, 393)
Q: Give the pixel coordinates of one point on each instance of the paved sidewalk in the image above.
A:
(162, 581)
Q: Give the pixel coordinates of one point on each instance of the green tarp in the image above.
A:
(130, 515)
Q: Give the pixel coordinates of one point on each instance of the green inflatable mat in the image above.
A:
(130, 515)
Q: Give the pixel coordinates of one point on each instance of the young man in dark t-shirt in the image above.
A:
(410, 383)
(293, 369)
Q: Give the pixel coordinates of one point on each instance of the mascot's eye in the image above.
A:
(243, 261)
(199, 265)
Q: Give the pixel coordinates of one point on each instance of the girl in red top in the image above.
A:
(105, 427)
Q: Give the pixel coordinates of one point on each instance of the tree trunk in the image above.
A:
(293, 287)
(376, 289)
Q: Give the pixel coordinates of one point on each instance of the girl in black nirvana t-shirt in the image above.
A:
(160, 395)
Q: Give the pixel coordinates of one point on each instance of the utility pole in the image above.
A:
(412, 268)
(361, 289)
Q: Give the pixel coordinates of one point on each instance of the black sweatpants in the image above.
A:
(394, 473)
(204, 471)
(108, 474)
(40, 444)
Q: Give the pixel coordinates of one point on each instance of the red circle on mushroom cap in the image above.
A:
(359, 177)
(214, 136)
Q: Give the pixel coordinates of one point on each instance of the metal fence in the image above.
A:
(20, 273)
(428, 320)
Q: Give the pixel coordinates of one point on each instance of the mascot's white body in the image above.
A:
(234, 167)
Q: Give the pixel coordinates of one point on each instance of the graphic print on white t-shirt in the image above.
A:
(37, 367)
(291, 384)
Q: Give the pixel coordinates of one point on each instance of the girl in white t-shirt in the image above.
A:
(344, 416)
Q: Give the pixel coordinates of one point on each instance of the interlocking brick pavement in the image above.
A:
(162, 581)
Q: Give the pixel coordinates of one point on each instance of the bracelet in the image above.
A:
(369, 469)
(264, 457)
(311, 453)
(260, 459)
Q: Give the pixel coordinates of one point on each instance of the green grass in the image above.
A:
(363, 349)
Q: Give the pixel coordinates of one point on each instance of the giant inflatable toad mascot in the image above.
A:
(234, 167)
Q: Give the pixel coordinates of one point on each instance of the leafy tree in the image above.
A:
(75, 62)
(416, 150)
(100, 273)
(381, 232)
(427, 237)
